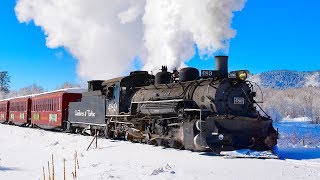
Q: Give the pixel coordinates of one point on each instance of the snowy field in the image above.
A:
(24, 152)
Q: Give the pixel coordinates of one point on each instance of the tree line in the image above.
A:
(5, 91)
(292, 103)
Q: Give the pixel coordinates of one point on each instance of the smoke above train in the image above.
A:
(109, 37)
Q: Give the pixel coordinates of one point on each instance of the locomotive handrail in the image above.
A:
(175, 124)
(196, 110)
(160, 101)
(88, 123)
(126, 115)
(246, 96)
(116, 121)
(259, 89)
(255, 103)
(262, 110)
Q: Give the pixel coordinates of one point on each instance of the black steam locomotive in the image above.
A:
(214, 110)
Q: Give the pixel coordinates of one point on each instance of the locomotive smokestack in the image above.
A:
(222, 65)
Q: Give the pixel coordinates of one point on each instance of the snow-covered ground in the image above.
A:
(24, 152)
(295, 134)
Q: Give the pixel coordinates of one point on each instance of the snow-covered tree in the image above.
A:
(68, 85)
(4, 81)
(292, 103)
(33, 89)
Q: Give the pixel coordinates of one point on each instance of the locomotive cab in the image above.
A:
(120, 90)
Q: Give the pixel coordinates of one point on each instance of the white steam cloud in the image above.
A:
(106, 35)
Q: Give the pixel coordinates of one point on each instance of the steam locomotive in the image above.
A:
(215, 110)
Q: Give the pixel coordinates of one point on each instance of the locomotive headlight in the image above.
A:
(242, 75)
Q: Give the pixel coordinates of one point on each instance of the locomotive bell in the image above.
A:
(222, 65)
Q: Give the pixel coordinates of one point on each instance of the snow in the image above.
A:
(248, 153)
(25, 151)
(313, 80)
(300, 119)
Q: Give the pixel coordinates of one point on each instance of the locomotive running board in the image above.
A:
(248, 153)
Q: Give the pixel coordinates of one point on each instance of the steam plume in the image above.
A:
(106, 35)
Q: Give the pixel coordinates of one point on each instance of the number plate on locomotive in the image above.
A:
(207, 73)
(238, 100)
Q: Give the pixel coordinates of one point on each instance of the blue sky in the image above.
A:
(271, 35)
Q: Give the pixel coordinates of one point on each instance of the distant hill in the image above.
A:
(285, 79)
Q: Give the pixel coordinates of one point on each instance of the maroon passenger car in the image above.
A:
(4, 108)
(19, 111)
(50, 110)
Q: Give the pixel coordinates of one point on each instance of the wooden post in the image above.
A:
(49, 175)
(52, 168)
(44, 174)
(78, 163)
(91, 143)
(77, 159)
(96, 139)
(64, 169)
(75, 164)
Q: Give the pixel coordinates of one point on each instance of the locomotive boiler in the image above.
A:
(212, 110)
